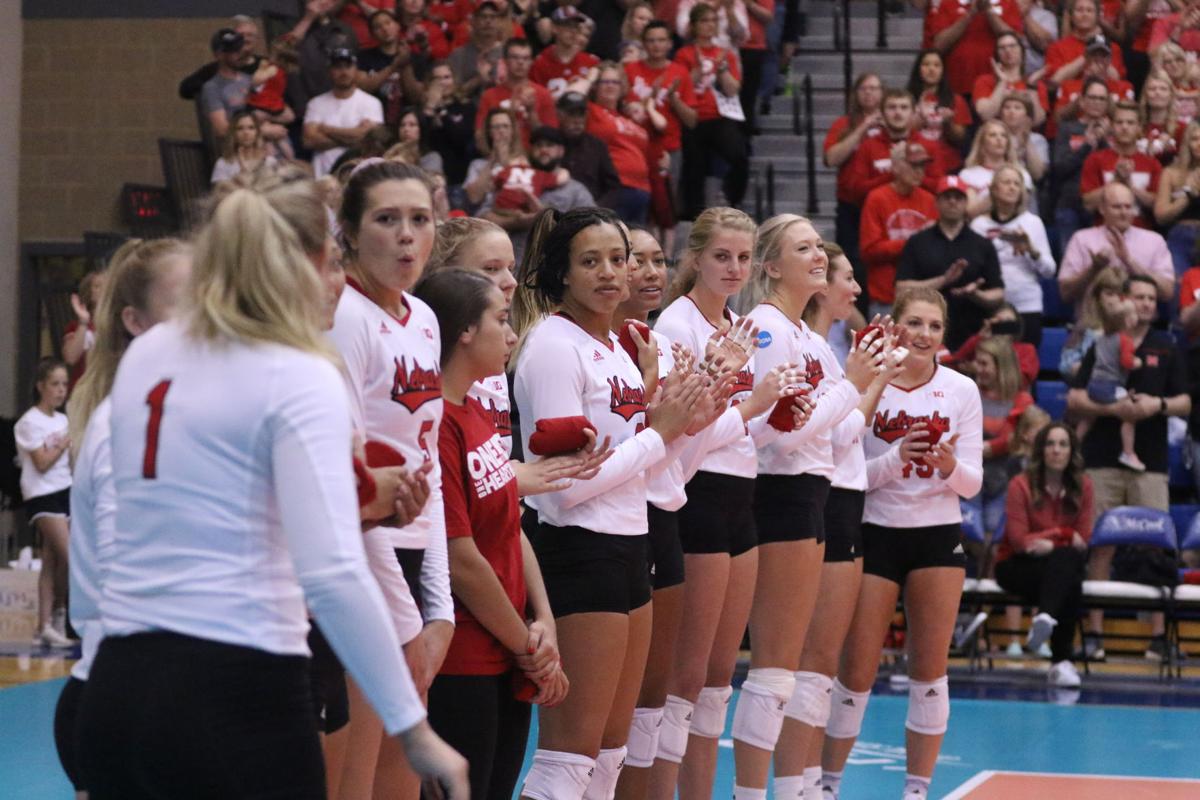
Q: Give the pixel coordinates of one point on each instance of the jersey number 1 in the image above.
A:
(155, 400)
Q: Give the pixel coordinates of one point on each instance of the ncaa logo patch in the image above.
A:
(764, 339)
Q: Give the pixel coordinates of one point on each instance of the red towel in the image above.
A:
(553, 437)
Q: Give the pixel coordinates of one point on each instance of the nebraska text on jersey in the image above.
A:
(414, 386)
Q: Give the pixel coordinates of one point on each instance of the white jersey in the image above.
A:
(808, 450)
(914, 495)
(665, 480)
(394, 378)
(563, 371)
(492, 394)
(34, 430)
(683, 322)
(236, 508)
(93, 516)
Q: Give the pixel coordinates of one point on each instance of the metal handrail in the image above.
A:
(847, 58)
(810, 148)
(796, 107)
(758, 202)
(881, 39)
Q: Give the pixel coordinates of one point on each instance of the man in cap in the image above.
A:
(474, 63)
(1097, 62)
(191, 86)
(340, 117)
(892, 213)
(955, 260)
(564, 62)
(225, 92)
(586, 157)
(532, 103)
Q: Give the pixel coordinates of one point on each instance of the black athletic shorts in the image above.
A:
(666, 553)
(719, 515)
(331, 702)
(843, 525)
(411, 560)
(586, 571)
(166, 715)
(66, 730)
(790, 508)
(55, 504)
(892, 553)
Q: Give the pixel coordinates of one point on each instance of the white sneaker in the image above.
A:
(969, 628)
(1131, 461)
(1014, 650)
(1044, 652)
(1064, 674)
(1043, 625)
(52, 638)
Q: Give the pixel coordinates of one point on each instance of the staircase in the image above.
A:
(779, 146)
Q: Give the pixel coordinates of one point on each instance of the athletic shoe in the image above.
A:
(968, 629)
(1039, 631)
(1093, 648)
(1014, 650)
(1131, 461)
(59, 620)
(52, 638)
(1044, 651)
(1157, 650)
(1063, 675)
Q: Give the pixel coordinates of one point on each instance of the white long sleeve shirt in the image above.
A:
(93, 517)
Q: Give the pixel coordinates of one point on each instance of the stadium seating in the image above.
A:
(1051, 347)
(1052, 396)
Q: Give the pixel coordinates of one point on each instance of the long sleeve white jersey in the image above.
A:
(492, 394)
(915, 495)
(393, 374)
(807, 450)
(93, 514)
(683, 322)
(563, 371)
(236, 508)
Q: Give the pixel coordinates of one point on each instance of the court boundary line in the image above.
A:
(979, 778)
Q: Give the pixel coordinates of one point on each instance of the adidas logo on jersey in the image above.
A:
(383, 328)
(849, 701)
(597, 355)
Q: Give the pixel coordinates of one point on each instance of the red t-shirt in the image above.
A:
(972, 54)
(1189, 287)
(353, 15)
(871, 166)
(838, 131)
(1069, 48)
(1155, 10)
(449, 12)
(627, 144)
(947, 155)
(439, 46)
(516, 182)
(689, 58)
(551, 72)
(501, 97)
(756, 36)
(888, 220)
(642, 81)
(1100, 167)
(1069, 90)
(985, 86)
(269, 96)
(479, 490)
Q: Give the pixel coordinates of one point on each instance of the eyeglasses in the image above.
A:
(1100, 97)
(609, 82)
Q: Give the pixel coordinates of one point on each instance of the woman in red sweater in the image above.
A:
(1045, 543)
(613, 122)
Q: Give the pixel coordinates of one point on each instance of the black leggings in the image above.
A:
(479, 717)
(720, 137)
(166, 715)
(66, 729)
(1054, 583)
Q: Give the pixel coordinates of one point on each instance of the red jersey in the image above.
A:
(1100, 166)
(888, 219)
(972, 55)
(645, 81)
(515, 184)
(501, 97)
(1069, 48)
(691, 57)
(550, 71)
(627, 144)
(480, 491)
(871, 166)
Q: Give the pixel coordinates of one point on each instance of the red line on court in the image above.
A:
(1039, 786)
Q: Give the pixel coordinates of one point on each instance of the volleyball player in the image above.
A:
(42, 444)
(798, 752)
(389, 344)
(924, 452)
(716, 528)
(235, 510)
(143, 286)
(591, 537)
(497, 663)
(792, 487)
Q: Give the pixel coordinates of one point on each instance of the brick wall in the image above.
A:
(96, 96)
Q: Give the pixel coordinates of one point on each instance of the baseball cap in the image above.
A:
(340, 55)
(498, 6)
(1098, 44)
(915, 153)
(569, 15)
(547, 134)
(951, 183)
(227, 40)
(572, 102)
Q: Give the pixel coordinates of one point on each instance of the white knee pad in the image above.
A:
(603, 785)
(810, 699)
(928, 706)
(556, 775)
(759, 715)
(708, 718)
(846, 712)
(643, 737)
(673, 735)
